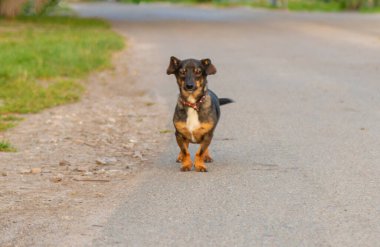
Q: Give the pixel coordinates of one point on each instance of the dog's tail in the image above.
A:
(224, 101)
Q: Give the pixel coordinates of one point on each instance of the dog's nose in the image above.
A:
(189, 86)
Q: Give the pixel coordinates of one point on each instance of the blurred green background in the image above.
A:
(43, 7)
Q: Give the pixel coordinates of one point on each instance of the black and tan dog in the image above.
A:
(197, 112)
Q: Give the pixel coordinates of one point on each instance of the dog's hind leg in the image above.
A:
(184, 153)
(207, 157)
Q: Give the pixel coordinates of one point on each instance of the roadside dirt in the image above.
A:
(75, 161)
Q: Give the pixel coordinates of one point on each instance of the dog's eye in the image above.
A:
(182, 71)
(198, 71)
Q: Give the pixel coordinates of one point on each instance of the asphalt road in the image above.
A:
(297, 157)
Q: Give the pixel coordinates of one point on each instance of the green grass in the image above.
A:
(303, 5)
(292, 5)
(166, 131)
(42, 60)
(8, 121)
(5, 146)
(373, 10)
(313, 5)
(169, 1)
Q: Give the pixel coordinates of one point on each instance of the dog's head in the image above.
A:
(191, 75)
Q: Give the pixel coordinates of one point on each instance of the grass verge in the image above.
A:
(292, 5)
(5, 146)
(314, 5)
(301, 5)
(42, 60)
(8, 121)
(374, 10)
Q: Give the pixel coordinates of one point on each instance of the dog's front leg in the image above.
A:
(184, 153)
(180, 155)
(200, 156)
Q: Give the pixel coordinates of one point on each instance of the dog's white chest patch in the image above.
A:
(192, 122)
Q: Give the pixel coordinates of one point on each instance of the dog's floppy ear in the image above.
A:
(209, 67)
(173, 65)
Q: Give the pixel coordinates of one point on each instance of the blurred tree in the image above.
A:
(12, 8)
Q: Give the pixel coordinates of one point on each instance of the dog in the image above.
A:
(197, 111)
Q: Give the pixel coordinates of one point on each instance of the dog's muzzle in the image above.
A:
(189, 87)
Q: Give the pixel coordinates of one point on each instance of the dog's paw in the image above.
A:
(179, 158)
(201, 168)
(187, 164)
(185, 168)
(199, 164)
(208, 159)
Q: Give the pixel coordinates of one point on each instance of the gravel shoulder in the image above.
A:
(74, 162)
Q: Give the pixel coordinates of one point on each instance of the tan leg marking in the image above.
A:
(207, 157)
(184, 155)
(186, 163)
(199, 163)
(180, 155)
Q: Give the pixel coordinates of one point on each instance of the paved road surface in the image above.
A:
(297, 157)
